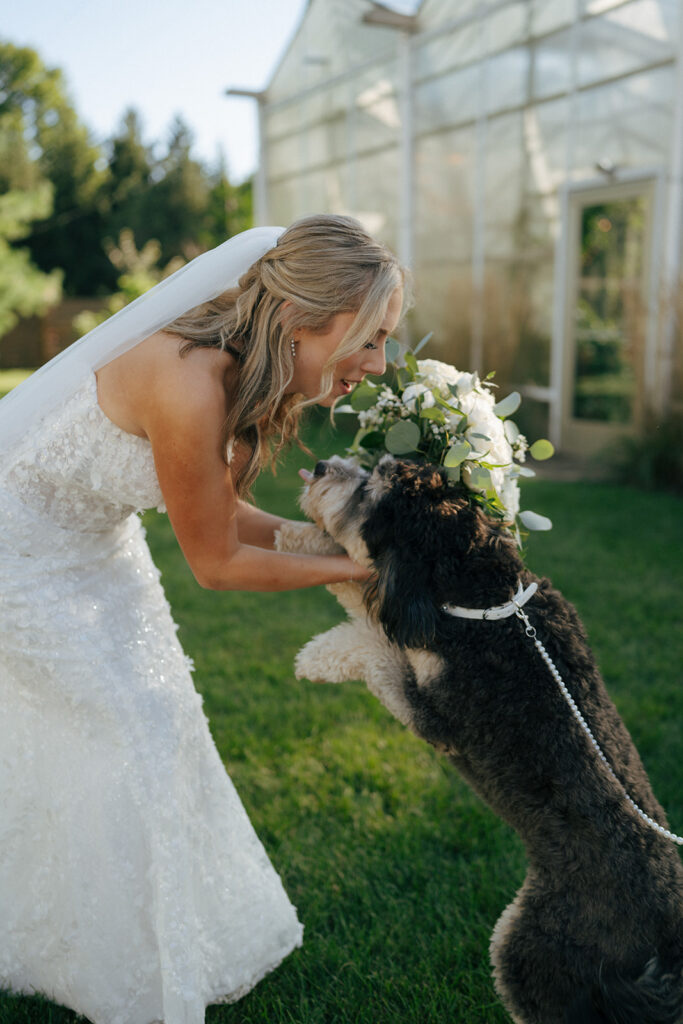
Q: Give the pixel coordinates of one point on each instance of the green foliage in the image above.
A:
(10, 379)
(138, 273)
(24, 290)
(52, 146)
(653, 459)
(160, 193)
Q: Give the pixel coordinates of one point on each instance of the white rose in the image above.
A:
(437, 374)
(411, 394)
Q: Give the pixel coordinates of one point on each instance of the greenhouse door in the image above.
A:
(606, 324)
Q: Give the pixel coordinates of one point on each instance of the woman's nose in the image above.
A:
(376, 362)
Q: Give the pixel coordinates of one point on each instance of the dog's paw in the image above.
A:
(327, 658)
(305, 538)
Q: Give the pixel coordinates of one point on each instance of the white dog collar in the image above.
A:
(501, 611)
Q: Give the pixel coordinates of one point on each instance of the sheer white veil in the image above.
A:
(198, 281)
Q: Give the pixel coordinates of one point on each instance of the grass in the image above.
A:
(397, 870)
(10, 378)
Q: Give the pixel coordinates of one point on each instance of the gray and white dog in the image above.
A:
(596, 931)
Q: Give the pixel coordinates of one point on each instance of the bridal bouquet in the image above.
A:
(435, 413)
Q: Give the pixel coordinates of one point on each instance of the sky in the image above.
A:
(163, 57)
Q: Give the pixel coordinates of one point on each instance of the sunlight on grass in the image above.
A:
(10, 378)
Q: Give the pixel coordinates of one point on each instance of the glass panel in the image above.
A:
(505, 27)
(448, 100)
(449, 51)
(433, 13)
(517, 327)
(504, 183)
(547, 15)
(507, 79)
(551, 67)
(444, 305)
(610, 304)
(545, 139)
(444, 200)
(628, 123)
(623, 40)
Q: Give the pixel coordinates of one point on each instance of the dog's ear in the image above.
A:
(403, 601)
(402, 534)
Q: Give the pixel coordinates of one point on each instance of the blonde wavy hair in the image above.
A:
(321, 266)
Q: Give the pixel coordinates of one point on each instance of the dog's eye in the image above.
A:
(320, 469)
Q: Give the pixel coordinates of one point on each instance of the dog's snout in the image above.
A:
(320, 469)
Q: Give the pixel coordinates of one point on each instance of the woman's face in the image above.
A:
(313, 351)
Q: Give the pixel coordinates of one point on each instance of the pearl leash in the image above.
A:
(650, 822)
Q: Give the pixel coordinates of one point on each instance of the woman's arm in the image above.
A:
(254, 526)
(181, 408)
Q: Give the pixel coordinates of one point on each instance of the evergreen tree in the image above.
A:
(24, 289)
(43, 140)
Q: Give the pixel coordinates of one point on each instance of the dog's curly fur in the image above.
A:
(596, 931)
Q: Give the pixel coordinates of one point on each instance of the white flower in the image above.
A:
(436, 374)
(415, 391)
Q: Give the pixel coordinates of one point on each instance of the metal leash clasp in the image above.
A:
(521, 614)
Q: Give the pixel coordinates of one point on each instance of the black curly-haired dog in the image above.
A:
(596, 931)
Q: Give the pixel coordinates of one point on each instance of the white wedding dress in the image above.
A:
(132, 886)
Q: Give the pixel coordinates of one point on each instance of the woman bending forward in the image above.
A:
(133, 888)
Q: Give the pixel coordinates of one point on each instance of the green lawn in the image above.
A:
(398, 872)
(10, 378)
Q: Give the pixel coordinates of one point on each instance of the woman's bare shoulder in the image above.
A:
(154, 382)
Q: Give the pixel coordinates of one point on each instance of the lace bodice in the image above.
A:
(80, 470)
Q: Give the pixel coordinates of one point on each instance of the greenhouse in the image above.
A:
(525, 159)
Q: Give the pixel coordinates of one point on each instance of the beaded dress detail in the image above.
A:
(133, 887)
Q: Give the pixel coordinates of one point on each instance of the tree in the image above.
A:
(43, 140)
(24, 289)
(131, 172)
(177, 200)
(229, 207)
(138, 272)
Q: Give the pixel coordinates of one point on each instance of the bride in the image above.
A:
(133, 888)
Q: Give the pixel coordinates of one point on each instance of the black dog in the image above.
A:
(596, 931)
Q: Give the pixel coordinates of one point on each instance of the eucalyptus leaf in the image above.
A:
(402, 437)
(405, 376)
(392, 350)
(508, 405)
(541, 450)
(423, 341)
(480, 478)
(453, 474)
(534, 521)
(411, 362)
(526, 471)
(456, 454)
(432, 413)
(484, 437)
(364, 396)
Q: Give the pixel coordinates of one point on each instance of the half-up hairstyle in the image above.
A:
(321, 266)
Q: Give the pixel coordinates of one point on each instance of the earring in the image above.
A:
(292, 346)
